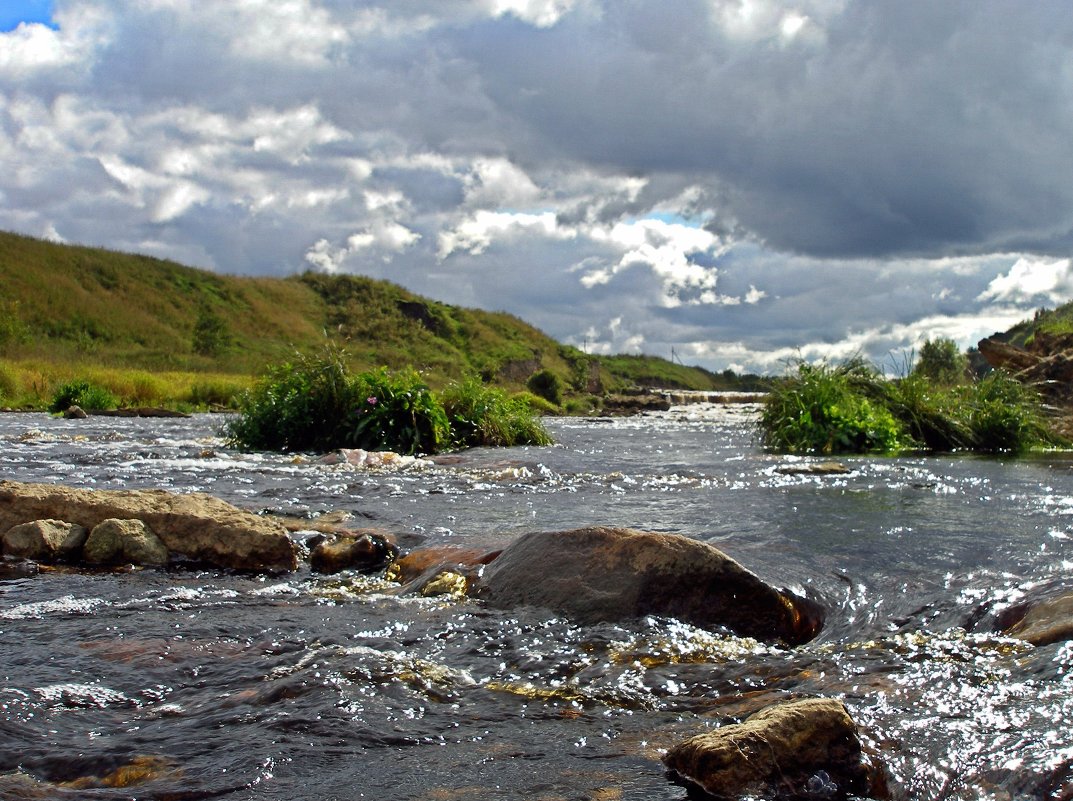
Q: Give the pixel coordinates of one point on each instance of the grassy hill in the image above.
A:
(154, 331)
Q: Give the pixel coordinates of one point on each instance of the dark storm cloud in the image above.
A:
(732, 179)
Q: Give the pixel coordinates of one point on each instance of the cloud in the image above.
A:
(734, 180)
(1032, 281)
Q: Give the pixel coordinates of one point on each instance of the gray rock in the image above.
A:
(115, 541)
(75, 413)
(45, 541)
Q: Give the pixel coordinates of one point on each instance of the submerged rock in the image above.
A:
(196, 526)
(1045, 622)
(45, 541)
(353, 550)
(607, 574)
(813, 469)
(127, 542)
(798, 749)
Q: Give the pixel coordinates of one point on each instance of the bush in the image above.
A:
(852, 409)
(484, 415)
(314, 404)
(81, 393)
(547, 385)
(396, 412)
(824, 409)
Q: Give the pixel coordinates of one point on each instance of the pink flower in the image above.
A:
(371, 400)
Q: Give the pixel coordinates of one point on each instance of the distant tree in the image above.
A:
(211, 337)
(941, 361)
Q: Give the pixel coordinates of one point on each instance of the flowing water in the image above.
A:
(187, 685)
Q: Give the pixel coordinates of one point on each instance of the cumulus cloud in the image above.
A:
(734, 180)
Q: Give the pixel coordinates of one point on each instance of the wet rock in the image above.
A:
(353, 550)
(195, 526)
(607, 574)
(803, 749)
(1045, 622)
(439, 559)
(813, 469)
(124, 542)
(45, 541)
(75, 413)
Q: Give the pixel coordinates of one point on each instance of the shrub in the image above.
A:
(81, 393)
(852, 409)
(547, 385)
(483, 415)
(395, 411)
(298, 406)
(314, 404)
(823, 409)
(1004, 415)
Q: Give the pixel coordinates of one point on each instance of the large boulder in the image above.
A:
(115, 541)
(1045, 622)
(798, 749)
(608, 574)
(196, 526)
(45, 541)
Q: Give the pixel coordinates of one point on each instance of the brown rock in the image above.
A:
(798, 749)
(353, 550)
(607, 574)
(196, 526)
(75, 413)
(813, 469)
(437, 559)
(127, 542)
(45, 541)
(1045, 622)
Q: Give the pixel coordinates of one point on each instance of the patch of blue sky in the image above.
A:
(15, 12)
(674, 218)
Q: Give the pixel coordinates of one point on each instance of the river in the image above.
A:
(206, 684)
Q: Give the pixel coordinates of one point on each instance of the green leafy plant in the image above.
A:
(485, 415)
(824, 409)
(547, 385)
(83, 394)
(395, 411)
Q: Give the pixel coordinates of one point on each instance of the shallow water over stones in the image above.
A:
(206, 684)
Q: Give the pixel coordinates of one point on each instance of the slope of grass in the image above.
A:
(131, 323)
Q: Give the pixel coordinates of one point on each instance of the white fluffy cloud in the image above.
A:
(739, 180)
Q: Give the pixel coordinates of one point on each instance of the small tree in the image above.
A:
(211, 336)
(942, 362)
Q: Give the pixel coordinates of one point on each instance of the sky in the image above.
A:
(741, 183)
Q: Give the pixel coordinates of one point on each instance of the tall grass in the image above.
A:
(314, 403)
(852, 408)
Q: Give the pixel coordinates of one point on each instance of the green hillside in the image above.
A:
(69, 311)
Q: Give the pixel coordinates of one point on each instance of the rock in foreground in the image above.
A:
(607, 574)
(798, 749)
(196, 526)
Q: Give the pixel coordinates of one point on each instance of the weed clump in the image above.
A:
(484, 415)
(83, 394)
(315, 404)
(853, 408)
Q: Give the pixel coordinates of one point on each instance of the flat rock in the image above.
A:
(798, 749)
(196, 526)
(813, 469)
(609, 574)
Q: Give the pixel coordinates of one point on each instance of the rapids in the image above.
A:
(188, 685)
